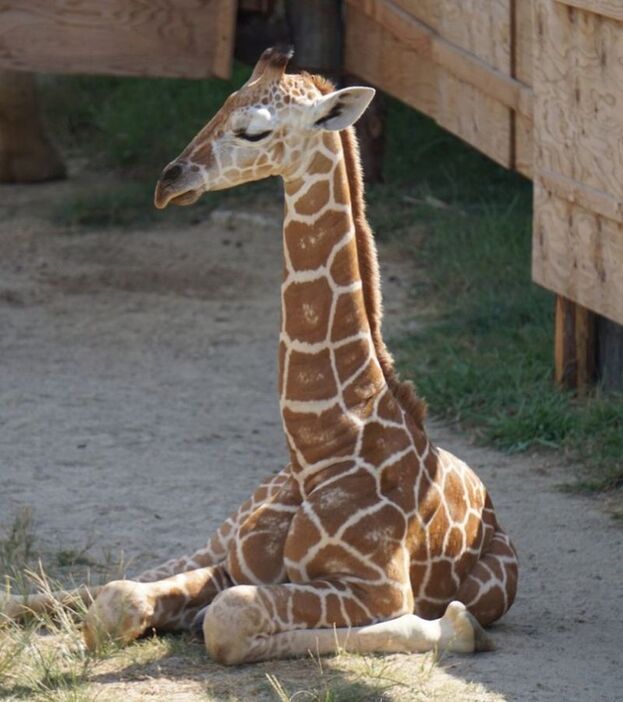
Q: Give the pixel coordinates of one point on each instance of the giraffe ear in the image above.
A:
(341, 108)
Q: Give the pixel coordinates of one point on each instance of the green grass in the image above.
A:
(133, 126)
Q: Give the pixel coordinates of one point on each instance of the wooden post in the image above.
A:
(316, 30)
(317, 35)
(610, 354)
(574, 345)
(26, 154)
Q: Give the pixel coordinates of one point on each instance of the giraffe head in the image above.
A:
(264, 129)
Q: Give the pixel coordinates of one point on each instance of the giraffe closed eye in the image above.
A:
(241, 134)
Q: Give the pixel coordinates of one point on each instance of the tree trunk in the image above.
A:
(26, 154)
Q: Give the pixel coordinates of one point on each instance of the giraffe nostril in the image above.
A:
(171, 174)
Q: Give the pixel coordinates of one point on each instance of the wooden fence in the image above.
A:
(178, 38)
(537, 85)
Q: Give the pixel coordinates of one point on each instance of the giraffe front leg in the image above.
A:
(248, 623)
(215, 551)
(126, 609)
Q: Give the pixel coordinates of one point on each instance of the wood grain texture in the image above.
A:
(578, 254)
(578, 130)
(384, 59)
(469, 89)
(427, 11)
(574, 345)
(579, 81)
(481, 121)
(606, 8)
(481, 27)
(523, 41)
(179, 38)
(523, 45)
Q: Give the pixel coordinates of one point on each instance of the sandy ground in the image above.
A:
(138, 406)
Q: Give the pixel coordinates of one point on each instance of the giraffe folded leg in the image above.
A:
(215, 551)
(489, 589)
(18, 608)
(126, 609)
(248, 623)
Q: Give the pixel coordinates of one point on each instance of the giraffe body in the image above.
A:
(371, 537)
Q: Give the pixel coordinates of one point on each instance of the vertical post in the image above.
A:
(317, 35)
(610, 354)
(26, 154)
(574, 345)
(316, 29)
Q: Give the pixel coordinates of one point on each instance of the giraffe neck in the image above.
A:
(330, 375)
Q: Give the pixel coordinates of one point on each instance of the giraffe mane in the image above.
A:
(403, 391)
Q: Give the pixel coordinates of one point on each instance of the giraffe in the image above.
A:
(371, 538)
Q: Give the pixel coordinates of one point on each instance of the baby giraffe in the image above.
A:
(371, 538)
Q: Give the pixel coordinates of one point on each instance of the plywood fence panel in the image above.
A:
(578, 254)
(460, 54)
(427, 11)
(605, 8)
(523, 59)
(523, 41)
(481, 28)
(578, 82)
(387, 53)
(179, 38)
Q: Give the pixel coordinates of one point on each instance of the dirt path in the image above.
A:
(138, 405)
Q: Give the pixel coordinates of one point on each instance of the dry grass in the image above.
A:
(44, 660)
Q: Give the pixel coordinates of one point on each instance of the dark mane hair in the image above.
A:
(403, 391)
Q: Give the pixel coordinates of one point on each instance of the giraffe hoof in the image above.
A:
(121, 613)
(468, 635)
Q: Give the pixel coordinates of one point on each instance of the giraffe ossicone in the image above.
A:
(371, 538)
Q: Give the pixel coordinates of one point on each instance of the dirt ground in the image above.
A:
(138, 406)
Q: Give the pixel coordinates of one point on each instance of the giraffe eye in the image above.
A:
(241, 134)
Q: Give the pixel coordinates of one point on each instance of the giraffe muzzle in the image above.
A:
(177, 186)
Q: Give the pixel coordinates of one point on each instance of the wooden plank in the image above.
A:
(578, 254)
(522, 71)
(474, 50)
(523, 41)
(524, 145)
(607, 8)
(474, 71)
(478, 119)
(427, 11)
(381, 57)
(579, 79)
(610, 354)
(595, 201)
(481, 28)
(574, 345)
(460, 63)
(180, 38)
(578, 216)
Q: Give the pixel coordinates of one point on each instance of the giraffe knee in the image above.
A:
(230, 623)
